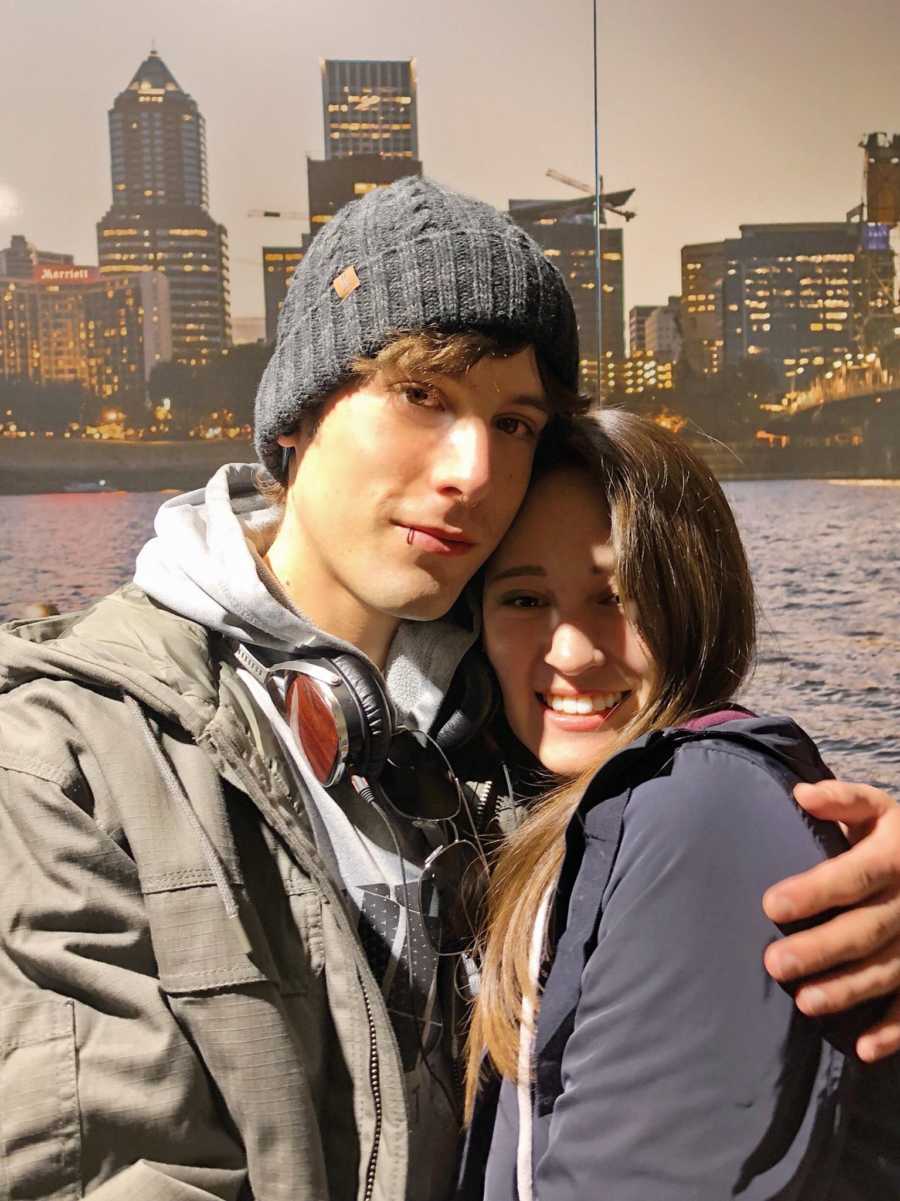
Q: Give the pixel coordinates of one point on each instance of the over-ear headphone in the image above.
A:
(344, 721)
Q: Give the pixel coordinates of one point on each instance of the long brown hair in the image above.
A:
(683, 578)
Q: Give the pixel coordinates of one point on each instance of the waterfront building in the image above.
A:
(662, 332)
(641, 372)
(370, 108)
(802, 295)
(19, 259)
(637, 320)
(701, 314)
(279, 264)
(882, 178)
(566, 234)
(159, 218)
(70, 324)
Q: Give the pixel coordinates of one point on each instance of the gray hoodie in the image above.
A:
(206, 564)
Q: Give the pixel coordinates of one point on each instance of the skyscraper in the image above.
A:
(801, 295)
(370, 108)
(159, 219)
(566, 234)
(882, 171)
(637, 327)
(702, 316)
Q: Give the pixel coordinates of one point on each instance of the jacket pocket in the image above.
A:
(40, 1125)
(199, 948)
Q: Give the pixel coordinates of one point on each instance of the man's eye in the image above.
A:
(419, 395)
(517, 426)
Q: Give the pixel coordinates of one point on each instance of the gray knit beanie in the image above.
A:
(407, 257)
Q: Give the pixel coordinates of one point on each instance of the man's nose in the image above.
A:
(463, 463)
(572, 650)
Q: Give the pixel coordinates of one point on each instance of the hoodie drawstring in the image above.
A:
(177, 793)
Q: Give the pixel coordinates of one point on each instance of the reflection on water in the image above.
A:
(827, 568)
(825, 558)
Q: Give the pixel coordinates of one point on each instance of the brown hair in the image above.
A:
(683, 577)
(427, 353)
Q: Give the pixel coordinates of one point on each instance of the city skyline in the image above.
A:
(490, 129)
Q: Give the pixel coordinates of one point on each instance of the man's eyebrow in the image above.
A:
(524, 569)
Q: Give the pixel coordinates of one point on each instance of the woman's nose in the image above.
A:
(572, 650)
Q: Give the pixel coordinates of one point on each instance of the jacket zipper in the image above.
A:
(376, 1093)
(242, 770)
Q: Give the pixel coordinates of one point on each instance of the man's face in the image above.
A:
(405, 487)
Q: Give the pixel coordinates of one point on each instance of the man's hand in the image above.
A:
(857, 952)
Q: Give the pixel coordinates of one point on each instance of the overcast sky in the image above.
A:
(716, 113)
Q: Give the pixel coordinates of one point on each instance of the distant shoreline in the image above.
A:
(33, 465)
(30, 465)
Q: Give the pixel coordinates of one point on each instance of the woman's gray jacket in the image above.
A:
(668, 1065)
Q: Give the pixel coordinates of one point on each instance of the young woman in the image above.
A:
(645, 1055)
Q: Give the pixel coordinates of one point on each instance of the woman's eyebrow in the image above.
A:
(524, 569)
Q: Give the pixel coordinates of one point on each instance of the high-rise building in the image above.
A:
(566, 234)
(702, 317)
(332, 184)
(159, 219)
(641, 372)
(335, 182)
(370, 108)
(797, 294)
(637, 321)
(69, 324)
(882, 174)
(279, 265)
(662, 332)
(20, 258)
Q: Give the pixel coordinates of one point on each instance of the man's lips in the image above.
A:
(437, 540)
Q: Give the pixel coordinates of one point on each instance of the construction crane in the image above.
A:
(610, 202)
(279, 214)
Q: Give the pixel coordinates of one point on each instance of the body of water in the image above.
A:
(825, 556)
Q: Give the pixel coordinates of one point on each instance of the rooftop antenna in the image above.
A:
(598, 218)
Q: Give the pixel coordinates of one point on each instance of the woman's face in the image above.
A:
(573, 670)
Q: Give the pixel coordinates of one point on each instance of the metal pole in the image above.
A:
(598, 275)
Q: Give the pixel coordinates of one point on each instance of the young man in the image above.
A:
(220, 972)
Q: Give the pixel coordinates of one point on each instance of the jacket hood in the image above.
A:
(205, 569)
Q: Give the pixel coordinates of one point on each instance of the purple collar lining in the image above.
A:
(717, 718)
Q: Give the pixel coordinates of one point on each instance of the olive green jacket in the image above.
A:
(186, 1011)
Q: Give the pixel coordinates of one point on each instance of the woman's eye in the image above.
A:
(517, 426)
(522, 600)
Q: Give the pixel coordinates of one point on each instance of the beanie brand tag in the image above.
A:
(346, 283)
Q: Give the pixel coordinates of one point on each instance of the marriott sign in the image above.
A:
(66, 275)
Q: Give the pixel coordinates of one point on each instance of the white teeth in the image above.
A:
(597, 702)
